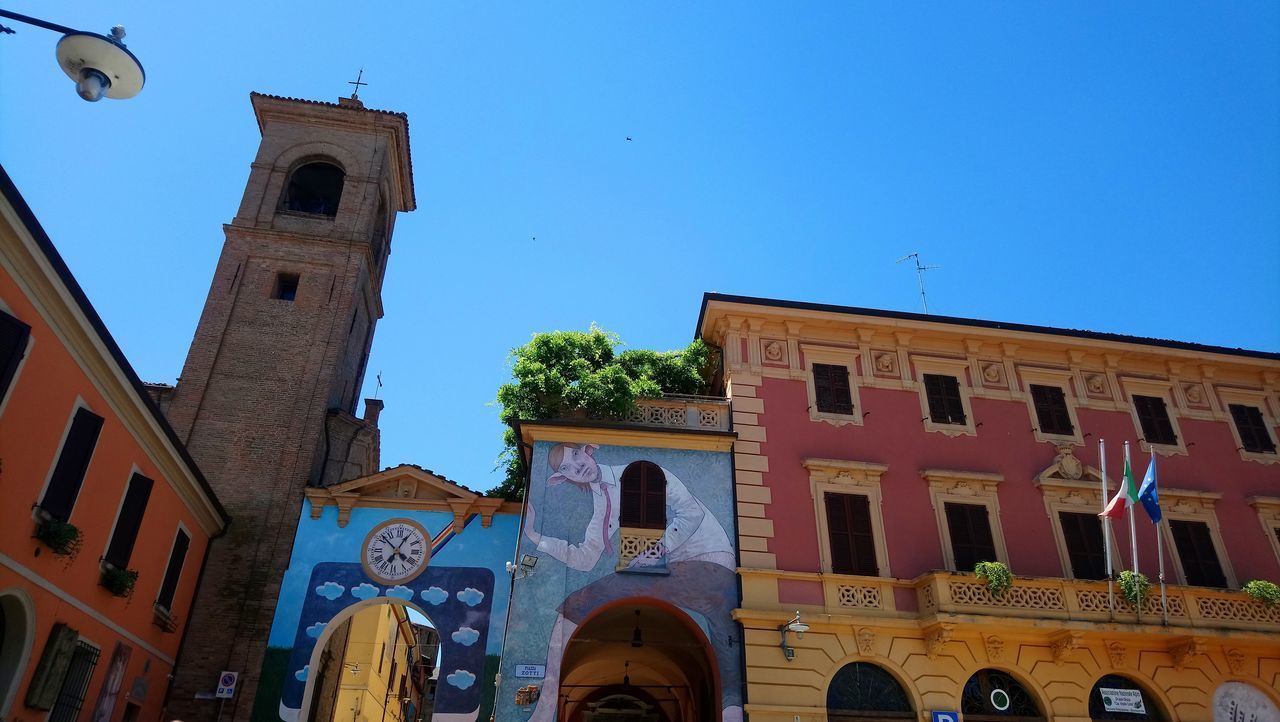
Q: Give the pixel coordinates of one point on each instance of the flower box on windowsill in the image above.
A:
(63, 538)
(120, 582)
(164, 619)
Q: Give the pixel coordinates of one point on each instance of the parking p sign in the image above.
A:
(945, 716)
(227, 685)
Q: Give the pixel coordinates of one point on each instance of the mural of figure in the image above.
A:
(698, 556)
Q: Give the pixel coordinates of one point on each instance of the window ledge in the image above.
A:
(1260, 457)
(1177, 449)
(835, 419)
(950, 429)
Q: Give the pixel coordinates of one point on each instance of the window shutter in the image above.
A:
(1196, 551)
(1252, 428)
(130, 521)
(943, 394)
(842, 398)
(1051, 410)
(853, 546)
(971, 540)
(13, 346)
(1153, 417)
(51, 670)
(1082, 534)
(74, 686)
(644, 496)
(933, 393)
(73, 462)
(174, 571)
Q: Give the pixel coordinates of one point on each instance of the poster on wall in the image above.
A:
(111, 685)
(1122, 700)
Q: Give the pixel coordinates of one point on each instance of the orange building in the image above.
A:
(105, 518)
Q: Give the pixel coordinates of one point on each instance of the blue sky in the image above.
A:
(1113, 167)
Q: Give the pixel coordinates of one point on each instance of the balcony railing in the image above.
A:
(942, 593)
(704, 413)
(1042, 598)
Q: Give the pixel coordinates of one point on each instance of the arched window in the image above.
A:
(865, 692)
(1116, 697)
(315, 188)
(644, 496)
(994, 695)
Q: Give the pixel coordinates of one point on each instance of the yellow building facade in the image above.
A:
(365, 672)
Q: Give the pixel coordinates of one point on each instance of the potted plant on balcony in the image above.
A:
(64, 538)
(1134, 586)
(998, 577)
(1263, 591)
(119, 582)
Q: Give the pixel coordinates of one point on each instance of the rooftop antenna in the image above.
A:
(378, 388)
(355, 94)
(920, 276)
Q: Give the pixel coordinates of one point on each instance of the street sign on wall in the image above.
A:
(227, 685)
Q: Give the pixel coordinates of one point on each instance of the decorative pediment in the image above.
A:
(405, 487)
(1066, 469)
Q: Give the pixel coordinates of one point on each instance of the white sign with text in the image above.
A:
(1122, 700)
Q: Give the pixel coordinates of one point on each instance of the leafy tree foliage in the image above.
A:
(567, 374)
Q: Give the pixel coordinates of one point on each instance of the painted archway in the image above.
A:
(467, 541)
(326, 636)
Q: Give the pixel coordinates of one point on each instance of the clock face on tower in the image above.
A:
(396, 551)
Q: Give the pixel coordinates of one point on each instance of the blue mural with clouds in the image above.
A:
(458, 592)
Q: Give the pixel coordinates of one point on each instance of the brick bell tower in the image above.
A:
(277, 362)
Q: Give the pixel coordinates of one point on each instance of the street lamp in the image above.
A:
(99, 64)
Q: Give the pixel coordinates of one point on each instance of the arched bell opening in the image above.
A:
(638, 660)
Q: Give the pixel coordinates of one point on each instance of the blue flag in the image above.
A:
(1148, 494)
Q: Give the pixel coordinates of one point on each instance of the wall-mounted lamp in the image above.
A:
(524, 568)
(797, 626)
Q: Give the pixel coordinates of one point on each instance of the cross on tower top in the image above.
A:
(355, 94)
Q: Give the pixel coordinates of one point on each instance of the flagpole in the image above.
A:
(1164, 607)
(1106, 529)
(1133, 535)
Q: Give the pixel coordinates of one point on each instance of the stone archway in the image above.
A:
(663, 673)
(17, 634)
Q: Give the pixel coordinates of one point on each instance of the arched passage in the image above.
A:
(992, 695)
(358, 653)
(642, 660)
(865, 692)
(1115, 697)
(17, 633)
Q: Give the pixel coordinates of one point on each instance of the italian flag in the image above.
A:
(1126, 495)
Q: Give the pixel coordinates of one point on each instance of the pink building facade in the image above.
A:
(880, 455)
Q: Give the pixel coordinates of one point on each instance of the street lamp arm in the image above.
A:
(37, 22)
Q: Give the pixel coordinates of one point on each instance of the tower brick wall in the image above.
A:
(264, 370)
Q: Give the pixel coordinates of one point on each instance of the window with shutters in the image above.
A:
(968, 512)
(71, 465)
(970, 531)
(1052, 414)
(945, 404)
(128, 521)
(14, 338)
(644, 496)
(846, 497)
(831, 389)
(944, 395)
(1252, 429)
(76, 683)
(832, 384)
(1082, 536)
(1197, 553)
(173, 571)
(1153, 418)
(849, 532)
